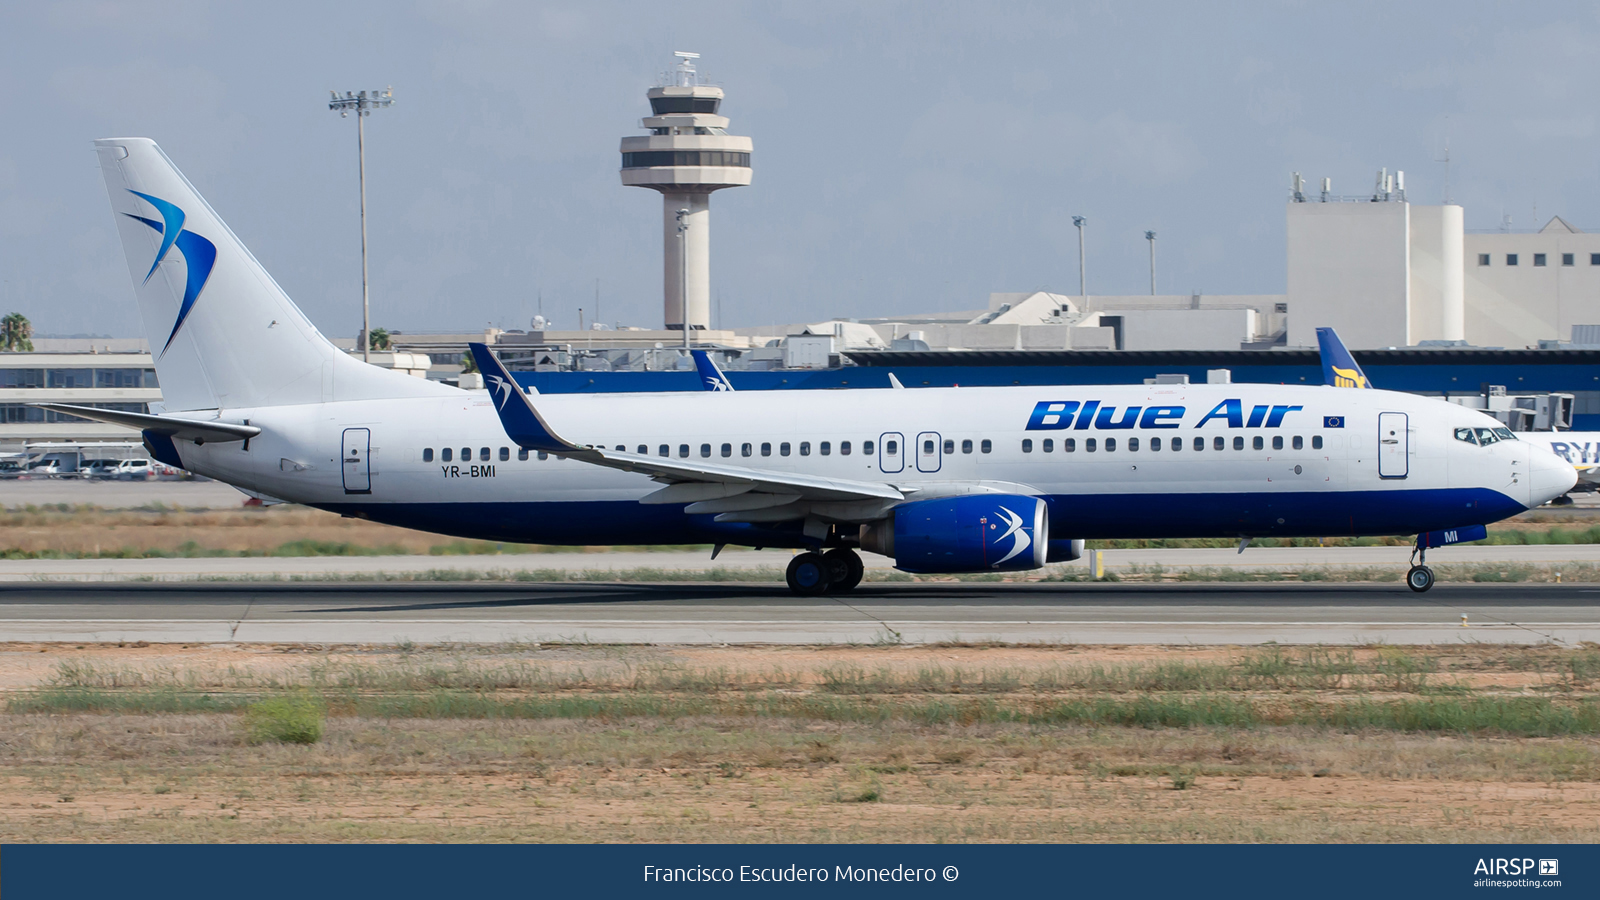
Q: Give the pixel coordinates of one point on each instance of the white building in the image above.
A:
(1526, 288)
(111, 380)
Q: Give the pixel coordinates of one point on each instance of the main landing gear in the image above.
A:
(838, 570)
(1420, 578)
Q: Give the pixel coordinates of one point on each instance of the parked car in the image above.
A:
(44, 468)
(135, 470)
(99, 468)
(11, 468)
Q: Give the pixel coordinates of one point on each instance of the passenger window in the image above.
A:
(445, 454)
(483, 454)
(1088, 445)
(966, 446)
(890, 447)
(1111, 444)
(1133, 444)
(1027, 446)
(1217, 443)
(427, 455)
(825, 448)
(1465, 434)
(683, 451)
(522, 454)
(986, 446)
(505, 454)
(866, 447)
(1258, 443)
(949, 446)
(1200, 443)
(543, 455)
(1298, 442)
(844, 448)
(783, 449)
(746, 449)
(1155, 443)
(665, 450)
(1177, 444)
(727, 450)
(805, 448)
(1316, 442)
(1069, 445)
(1238, 442)
(927, 448)
(466, 454)
(705, 451)
(1277, 442)
(1049, 445)
(644, 450)
(766, 448)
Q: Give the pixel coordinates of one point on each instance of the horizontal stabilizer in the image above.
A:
(196, 430)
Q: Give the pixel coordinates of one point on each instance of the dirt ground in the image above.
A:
(71, 775)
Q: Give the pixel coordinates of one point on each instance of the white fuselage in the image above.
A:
(1270, 460)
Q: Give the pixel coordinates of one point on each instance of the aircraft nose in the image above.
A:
(1549, 476)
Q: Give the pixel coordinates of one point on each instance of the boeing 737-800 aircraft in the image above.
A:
(939, 479)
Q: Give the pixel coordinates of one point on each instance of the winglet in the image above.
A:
(710, 375)
(1339, 368)
(521, 421)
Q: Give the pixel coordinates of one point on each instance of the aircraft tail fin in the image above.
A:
(222, 332)
(1339, 368)
(522, 422)
(711, 376)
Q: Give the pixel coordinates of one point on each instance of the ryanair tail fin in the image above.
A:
(222, 332)
(710, 375)
(1339, 368)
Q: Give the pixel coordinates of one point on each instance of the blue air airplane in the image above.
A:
(938, 479)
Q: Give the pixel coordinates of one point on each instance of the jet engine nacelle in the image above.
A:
(1064, 551)
(974, 533)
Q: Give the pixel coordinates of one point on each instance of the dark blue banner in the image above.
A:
(292, 872)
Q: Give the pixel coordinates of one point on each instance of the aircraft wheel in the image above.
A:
(844, 569)
(807, 575)
(1419, 579)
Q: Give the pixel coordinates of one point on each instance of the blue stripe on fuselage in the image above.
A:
(1095, 516)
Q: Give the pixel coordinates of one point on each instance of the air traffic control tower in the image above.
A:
(687, 155)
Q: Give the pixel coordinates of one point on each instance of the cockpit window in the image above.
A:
(1504, 434)
(1487, 436)
(1465, 434)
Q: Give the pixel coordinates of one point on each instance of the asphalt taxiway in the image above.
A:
(353, 613)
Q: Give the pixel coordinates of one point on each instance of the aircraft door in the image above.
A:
(357, 457)
(891, 456)
(1394, 446)
(928, 452)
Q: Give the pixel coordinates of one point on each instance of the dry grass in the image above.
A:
(739, 744)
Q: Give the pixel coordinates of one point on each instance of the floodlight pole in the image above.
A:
(1151, 237)
(1083, 280)
(363, 105)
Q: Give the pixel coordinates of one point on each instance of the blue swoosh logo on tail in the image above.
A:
(199, 255)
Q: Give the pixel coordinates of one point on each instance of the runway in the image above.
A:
(761, 614)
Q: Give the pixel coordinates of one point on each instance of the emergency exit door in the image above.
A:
(1394, 446)
(357, 455)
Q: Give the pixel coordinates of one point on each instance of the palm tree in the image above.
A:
(378, 339)
(15, 333)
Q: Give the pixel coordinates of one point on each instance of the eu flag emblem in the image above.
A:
(1333, 421)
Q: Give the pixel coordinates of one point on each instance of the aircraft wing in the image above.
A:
(688, 482)
(197, 430)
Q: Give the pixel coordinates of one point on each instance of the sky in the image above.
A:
(909, 157)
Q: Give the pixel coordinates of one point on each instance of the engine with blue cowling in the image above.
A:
(974, 533)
